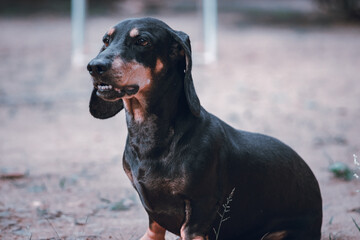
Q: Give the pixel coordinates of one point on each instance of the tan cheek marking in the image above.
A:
(159, 66)
(134, 32)
(117, 70)
(130, 73)
(137, 74)
(111, 31)
(136, 104)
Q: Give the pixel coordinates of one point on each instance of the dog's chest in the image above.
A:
(161, 195)
(159, 187)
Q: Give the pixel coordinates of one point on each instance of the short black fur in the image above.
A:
(184, 161)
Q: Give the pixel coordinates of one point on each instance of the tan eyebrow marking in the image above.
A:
(134, 32)
(159, 65)
(111, 31)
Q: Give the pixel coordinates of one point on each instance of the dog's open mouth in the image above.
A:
(110, 92)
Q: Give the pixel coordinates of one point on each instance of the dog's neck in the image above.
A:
(152, 120)
(136, 109)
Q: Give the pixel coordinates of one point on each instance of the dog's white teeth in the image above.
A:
(106, 87)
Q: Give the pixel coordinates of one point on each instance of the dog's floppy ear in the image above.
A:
(190, 93)
(102, 109)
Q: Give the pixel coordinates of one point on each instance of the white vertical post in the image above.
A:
(78, 15)
(210, 30)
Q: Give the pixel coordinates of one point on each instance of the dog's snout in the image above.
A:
(98, 67)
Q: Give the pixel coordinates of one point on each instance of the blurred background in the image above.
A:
(286, 68)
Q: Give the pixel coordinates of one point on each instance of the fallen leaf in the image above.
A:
(12, 175)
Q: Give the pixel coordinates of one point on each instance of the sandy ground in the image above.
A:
(299, 83)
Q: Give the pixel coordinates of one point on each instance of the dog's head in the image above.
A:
(136, 53)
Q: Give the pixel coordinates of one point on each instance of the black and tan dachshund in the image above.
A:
(184, 162)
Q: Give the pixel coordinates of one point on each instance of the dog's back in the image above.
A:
(275, 190)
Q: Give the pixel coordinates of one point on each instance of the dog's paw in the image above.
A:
(195, 238)
(152, 237)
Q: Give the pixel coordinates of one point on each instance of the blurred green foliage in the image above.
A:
(341, 170)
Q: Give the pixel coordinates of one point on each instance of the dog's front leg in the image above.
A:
(192, 228)
(154, 232)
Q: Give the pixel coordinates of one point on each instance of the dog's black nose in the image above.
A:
(98, 66)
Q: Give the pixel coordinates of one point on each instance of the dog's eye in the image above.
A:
(142, 42)
(106, 41)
